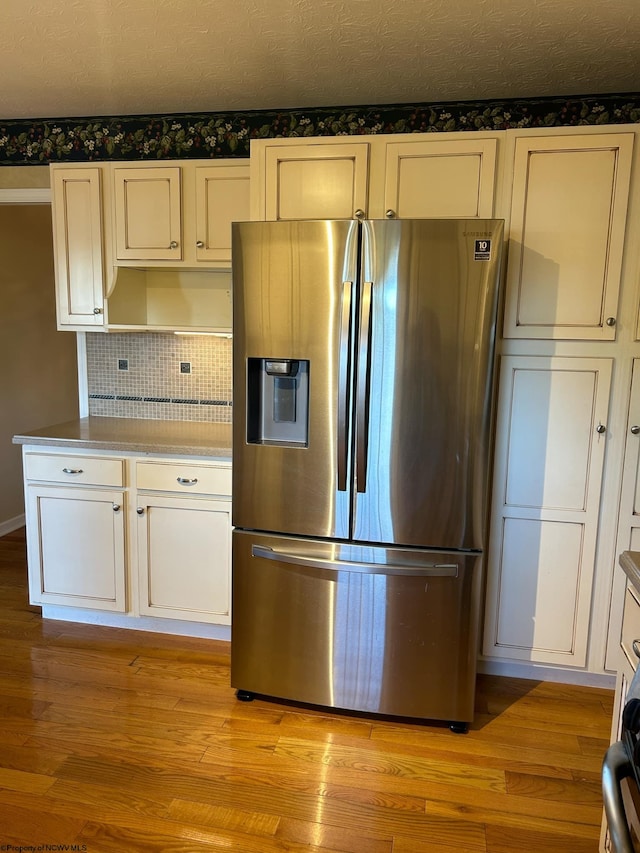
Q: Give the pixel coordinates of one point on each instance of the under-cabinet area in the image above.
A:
(143, 536)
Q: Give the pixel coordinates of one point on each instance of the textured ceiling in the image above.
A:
(64, 58)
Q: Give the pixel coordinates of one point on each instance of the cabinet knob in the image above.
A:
(173, 244)
(200, 244)
(390, 214)
(360, 215)
(140, 510)
(635, 645)
(601, 428)
(116, 507)
(611, 321)
(97, 310)
(635, 429)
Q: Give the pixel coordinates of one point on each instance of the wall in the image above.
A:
(21, 177)
(150, 383)
(38, 365)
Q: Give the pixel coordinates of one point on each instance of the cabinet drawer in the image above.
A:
(184, 477)
(87, 470)
(630, 626)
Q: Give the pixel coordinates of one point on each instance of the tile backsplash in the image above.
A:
(143, 376)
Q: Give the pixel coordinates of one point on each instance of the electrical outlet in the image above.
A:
(123, 364)
(185, 367)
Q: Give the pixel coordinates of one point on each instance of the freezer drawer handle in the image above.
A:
(432, 570)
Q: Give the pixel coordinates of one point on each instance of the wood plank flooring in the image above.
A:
(124, 741)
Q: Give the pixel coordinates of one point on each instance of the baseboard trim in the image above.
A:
(11, 524)
(539, 672)
(177, 627)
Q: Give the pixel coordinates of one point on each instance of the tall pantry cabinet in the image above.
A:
(568, 338)
(563, 386)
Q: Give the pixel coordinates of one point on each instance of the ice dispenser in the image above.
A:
(277, 401)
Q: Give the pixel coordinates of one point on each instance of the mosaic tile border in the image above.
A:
(208, 135)
(135, 399)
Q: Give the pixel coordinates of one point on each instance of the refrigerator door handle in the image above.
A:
(343, 386)
(362, 399)
(430, 570)
(615, 767)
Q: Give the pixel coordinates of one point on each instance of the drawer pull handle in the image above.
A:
(635, 645)
(187, 481)
(72, 471)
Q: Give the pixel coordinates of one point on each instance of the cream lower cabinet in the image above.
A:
(552, 417)
(140, 537)
(184, 541)
(378, 176)
(625, 663)
(75, 512)
(628, 538)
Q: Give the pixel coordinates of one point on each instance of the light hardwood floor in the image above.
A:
(124, 741)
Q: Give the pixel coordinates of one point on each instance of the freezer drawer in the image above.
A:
(373, 629)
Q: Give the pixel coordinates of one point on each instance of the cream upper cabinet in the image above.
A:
(550, 447)
(402, 175)
(148, 213)
(440, 178)
(568, 217)
(77, 241)
(178, 216)
(222, 197)
(142, 246)
(309, 180)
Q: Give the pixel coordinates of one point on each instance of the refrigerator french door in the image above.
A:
(363, 365)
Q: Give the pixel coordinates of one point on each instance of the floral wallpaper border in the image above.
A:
(208, 135)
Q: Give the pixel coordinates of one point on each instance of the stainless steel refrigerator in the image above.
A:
(362, 393)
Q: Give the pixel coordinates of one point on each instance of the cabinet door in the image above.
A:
(184, 558)
(76, 553)
(569, 208)
(222, 197)
(314, 181)
(628, 537)
(148, 221)
(440, 178)
(77, 241)
(550, 447)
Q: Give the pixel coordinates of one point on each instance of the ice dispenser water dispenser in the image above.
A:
(277, 401)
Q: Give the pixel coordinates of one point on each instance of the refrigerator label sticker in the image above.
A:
(482, 250)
